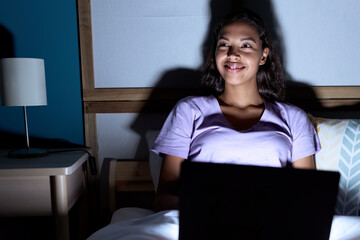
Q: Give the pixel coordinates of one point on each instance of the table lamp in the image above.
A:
(22, 83)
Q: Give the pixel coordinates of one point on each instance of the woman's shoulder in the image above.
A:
(197, 99)
(287, 110)
(193, 108)
(196, 102)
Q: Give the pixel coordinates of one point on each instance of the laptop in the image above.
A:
(226, 201)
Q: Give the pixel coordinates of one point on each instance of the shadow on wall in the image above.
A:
(147, 121)
(10, 140)
(6, 43)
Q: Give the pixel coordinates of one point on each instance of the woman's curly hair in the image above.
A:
(270, 76)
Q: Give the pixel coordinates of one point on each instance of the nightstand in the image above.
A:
(43, 186)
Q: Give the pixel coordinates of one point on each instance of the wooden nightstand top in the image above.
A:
(57, 163)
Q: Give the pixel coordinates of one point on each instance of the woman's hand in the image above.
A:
(166, 195)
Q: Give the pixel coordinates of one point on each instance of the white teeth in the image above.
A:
(233, 67)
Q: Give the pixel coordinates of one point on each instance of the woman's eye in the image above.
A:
(246, 45)
(222, 45)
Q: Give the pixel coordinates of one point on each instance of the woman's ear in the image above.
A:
(264, 56)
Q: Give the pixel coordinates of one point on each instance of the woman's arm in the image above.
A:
(305, 163)
(166, 195)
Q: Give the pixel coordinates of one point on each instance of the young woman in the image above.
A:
(244, 120)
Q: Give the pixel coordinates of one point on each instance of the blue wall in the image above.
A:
(46, 29)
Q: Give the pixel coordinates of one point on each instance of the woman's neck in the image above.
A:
(241, 97)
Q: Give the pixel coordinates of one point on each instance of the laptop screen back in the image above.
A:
(225, 201)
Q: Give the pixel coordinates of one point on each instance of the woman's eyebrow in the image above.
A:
(241, 39)
(247, 39)
(223, 38)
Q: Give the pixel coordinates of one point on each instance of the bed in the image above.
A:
(141, 223)
(340, 140)
(164, 225)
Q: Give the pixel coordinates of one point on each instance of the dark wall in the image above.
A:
(45, 29)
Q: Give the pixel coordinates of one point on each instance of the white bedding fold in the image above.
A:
(345, 228)
(158, 226)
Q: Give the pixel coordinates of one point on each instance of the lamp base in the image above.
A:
(28, 153)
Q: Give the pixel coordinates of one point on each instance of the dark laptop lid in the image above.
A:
(225, 201)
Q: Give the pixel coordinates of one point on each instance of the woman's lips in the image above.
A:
(234, 67)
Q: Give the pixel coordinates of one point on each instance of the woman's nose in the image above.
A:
(233, 53)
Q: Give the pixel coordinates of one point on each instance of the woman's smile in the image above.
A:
(234, 67)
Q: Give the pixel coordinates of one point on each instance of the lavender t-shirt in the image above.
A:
(197, 130)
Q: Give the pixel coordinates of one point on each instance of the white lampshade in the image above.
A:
(22, 82)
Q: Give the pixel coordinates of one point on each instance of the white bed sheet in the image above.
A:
(138, 224)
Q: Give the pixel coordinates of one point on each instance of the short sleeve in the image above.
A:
(305, 138)
(175, 135)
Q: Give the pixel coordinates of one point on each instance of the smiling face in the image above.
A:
(239, 53)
